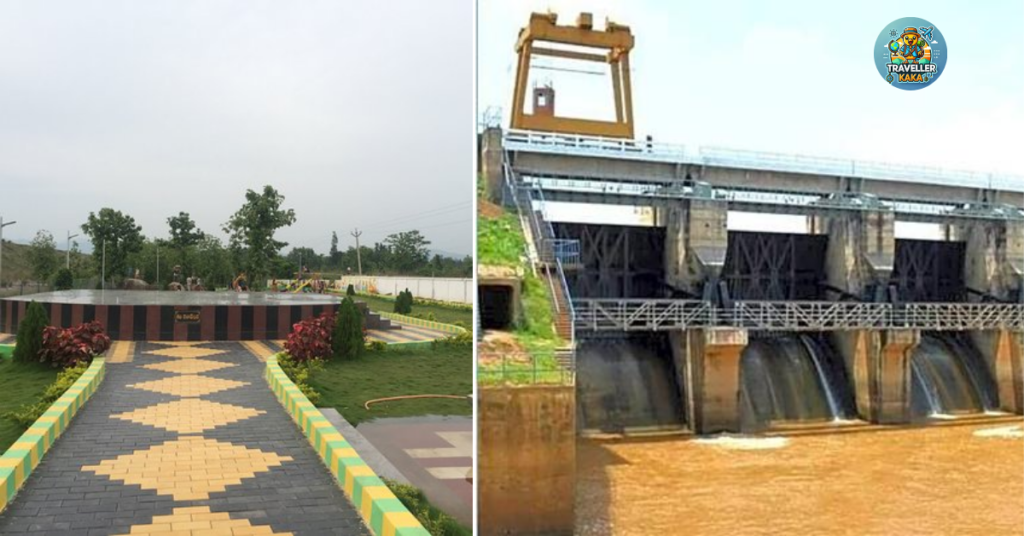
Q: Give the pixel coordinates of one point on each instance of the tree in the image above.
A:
(43, 256)
(252, 231)
(409, 250)
(184, 232)
(348, 339)
(121, 235)
(335, 255)
(64, 280)
(30, 334)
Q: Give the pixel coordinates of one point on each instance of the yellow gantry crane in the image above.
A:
(614, 44)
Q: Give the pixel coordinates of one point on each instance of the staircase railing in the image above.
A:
(546, 246)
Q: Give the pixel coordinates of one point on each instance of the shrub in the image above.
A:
(64, 280)
(68, 347)
(459, 340)
(377, 346)
(28, 414)
(351, 290)
(299, 371)
(311, 338)
(349, 336)
(403, 303)
(436, 522)
(29, 341)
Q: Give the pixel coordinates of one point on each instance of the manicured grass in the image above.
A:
(23, 384)
(347, 385)
(6, 350)
(499, 241)
(447, 315)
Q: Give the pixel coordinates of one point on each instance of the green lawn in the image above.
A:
(500, 241)
(448, 315)
(347, 385)
(22, 385)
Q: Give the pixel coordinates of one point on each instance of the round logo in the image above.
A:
(910, 53)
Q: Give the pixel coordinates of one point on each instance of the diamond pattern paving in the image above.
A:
(189, 415)
(189, 366)
(199, 520)
(177, 447)
(186, 352)
(188, 468)
(186, 386)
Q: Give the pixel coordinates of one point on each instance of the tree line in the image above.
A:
(251, 249)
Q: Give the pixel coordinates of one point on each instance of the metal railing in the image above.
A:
(664, 315)
(788, 201)
(529, 368)
(543, 236)
(569, 144)
(642, 315)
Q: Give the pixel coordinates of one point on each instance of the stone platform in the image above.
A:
(138, 315)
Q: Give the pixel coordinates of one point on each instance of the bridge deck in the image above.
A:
(667, 314)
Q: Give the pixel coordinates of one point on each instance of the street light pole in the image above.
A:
(67, 256)
(2, 225)
(103, 270)
(158, 267)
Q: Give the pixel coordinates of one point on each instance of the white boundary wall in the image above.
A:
(449, 289)
(435, 288)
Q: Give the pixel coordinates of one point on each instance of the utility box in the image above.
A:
(544, 101)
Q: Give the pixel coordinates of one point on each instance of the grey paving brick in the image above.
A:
(300, 496)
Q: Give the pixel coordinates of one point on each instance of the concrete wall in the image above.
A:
(526, 472)
(434, 288)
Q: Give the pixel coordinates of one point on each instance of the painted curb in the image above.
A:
(25, 454)
(419, 322)
(380, 509)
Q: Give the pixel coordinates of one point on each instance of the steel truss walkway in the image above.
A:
(668, 314)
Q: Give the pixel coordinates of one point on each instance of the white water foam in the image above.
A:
(733, 442)
(1005, 432)
(942, 417)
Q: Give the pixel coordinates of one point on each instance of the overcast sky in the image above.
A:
(360, 113)
(789, 76)
(792, 76)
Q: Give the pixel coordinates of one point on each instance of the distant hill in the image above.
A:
(16, 266)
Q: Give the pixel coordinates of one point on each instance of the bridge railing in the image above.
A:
(571, 144)
(665, 315)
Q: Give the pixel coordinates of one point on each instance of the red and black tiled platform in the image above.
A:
(139, 315)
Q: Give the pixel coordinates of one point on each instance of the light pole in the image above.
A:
(2, 225)
(67, 256)
(103, 270)
(158, 267)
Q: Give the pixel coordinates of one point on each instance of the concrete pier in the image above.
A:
(710, 361)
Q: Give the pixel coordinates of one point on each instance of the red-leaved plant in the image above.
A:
(311, 338)
(67, 347)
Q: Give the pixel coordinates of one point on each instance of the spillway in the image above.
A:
(791, 378)
(624, 384)
(948, 377)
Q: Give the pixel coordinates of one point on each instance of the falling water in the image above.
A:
(948, 377)
(791, 378)
(627, 384)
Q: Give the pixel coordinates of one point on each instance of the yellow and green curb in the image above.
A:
(25, 454)
(382, 511)
(419, 322)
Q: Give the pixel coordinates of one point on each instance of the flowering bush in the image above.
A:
(311, 338)
(68, 347)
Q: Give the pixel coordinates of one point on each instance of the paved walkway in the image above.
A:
(434, 453)
(182, 438)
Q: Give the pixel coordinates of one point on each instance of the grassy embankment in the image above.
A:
(500, 242)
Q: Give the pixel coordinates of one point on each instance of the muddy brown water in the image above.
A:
(910, 481)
